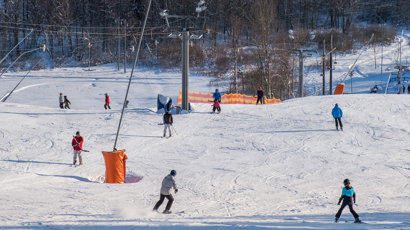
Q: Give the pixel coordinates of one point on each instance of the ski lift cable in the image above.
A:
(132, 72)
(9, 94)
(351, 68)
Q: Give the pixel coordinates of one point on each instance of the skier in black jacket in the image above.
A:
(259, 93)
(168, 122)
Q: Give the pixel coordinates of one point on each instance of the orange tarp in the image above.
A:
(339, 89)
(115, 166)
(197, 97)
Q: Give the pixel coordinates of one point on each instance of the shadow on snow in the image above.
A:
(178, 222)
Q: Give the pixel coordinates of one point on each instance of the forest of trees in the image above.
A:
(244, 40)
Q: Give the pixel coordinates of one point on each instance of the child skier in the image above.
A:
(349, 198)
(337, 115)
(216, 106)
(167, 184)
(67, 103)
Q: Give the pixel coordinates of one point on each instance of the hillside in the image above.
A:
(250, 167)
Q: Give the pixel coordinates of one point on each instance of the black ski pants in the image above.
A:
(338, 120)
(216, 108)
(260, 99)
(161, 199)
(344, 204)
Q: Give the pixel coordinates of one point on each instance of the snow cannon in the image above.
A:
(115, 166)
(339, 89)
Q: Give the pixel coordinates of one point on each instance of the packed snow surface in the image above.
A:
(250, 167)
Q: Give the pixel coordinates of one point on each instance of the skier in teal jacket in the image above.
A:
(349, 198)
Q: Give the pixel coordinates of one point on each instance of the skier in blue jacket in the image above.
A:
(337, 115)
(349, 198)
(217, 95)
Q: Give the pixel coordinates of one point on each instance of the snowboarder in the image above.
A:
(217, 95)
(259, 93)
(77, 144)
(67, 103)
(168, 120)
(216, 106)
(107, 101)
(167, 184)
(337, 115)
(349, 198)
(61, 100)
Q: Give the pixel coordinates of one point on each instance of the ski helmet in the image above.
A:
(173, 173)
(346, 181)
(77, 133)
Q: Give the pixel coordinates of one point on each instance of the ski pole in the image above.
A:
(78, 144)
(174, 129)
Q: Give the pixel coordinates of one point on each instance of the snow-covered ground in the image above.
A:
(251, 167)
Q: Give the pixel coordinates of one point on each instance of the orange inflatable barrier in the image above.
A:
(115, 166)
(197, 97)
(339, 89)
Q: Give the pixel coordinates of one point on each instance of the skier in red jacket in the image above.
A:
(107, 101)
(77, 144)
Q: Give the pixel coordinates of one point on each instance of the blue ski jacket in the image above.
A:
(337, 112)
(217, 95)
(348, 195)
(349, 192)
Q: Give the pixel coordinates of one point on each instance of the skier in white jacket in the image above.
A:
(167, 184)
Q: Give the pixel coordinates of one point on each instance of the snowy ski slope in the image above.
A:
(251, 167)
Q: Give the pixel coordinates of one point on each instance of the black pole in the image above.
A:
(331, 65)
(132, 72)
(323, 69)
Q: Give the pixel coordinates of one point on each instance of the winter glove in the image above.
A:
(176, 190)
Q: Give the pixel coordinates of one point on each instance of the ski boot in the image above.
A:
(336, 219)
(357, 220)
(167, 212)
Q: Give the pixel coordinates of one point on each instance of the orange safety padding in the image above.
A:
(196, 97)
(339, 89)
(114, 166)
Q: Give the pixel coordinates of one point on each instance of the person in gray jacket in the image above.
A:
(61, 100)
(167, 184)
